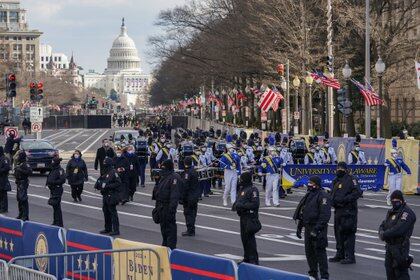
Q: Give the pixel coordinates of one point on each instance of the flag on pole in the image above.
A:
(240, 96)
(369, 94)
(418, 74)
(319, 77)
(279, 98)
(231, 102)
(269, 98)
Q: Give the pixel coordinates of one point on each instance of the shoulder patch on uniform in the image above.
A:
(324, 201)
(355, 181)
(242, 193)
(393, 217)
(254, 194)
(175, 181)
(340, 186)
(186, 175)
(404, 216)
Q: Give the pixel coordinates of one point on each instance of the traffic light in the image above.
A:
(11, 85)
(33, 91)
(40, 91)
(330, 63)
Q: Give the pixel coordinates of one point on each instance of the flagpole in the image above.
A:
(288, 95)
(330, 98)
(367, 67)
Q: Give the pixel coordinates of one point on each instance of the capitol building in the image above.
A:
(123, 73)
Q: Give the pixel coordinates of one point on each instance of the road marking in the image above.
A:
(96, 132)
(62, 133)
(93, 143)
(375, 250)
(68, 139)
(52, 135)
(278, 258)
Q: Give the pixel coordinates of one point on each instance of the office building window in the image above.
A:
(14, 17)
(59, 58)
(3, 16)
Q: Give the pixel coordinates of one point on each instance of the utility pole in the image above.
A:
(367, 67)
(288, 95)
(330, 98)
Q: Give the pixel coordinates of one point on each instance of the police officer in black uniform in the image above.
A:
(55, 181)
(247, 205)
(344, 196)
(109, 184)
(396, 231)
(4, 181)
(167, 196)
(122, 165)
(22, 172)
(101, 154)
(190, 195)
(313, 214)
(132, 172)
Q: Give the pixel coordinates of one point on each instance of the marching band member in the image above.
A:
(312, 157)
(329, 155)
(356, 156)
(205, 161)
(231, 164)
(395, 165)
(271, 166)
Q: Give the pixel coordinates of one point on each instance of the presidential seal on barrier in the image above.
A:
(41, 248)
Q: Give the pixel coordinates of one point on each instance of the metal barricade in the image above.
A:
(22, 273)
(3, 269)
(135, 260)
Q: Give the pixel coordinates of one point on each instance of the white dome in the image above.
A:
(123, 55)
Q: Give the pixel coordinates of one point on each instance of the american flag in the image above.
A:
(319, 77)
(230, 101)
(240, 96)
(369, 94)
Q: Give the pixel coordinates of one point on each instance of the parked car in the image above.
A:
(39, 154)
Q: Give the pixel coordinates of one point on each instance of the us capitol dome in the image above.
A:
(123, 73)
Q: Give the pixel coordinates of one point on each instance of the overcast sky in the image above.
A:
(88, 27)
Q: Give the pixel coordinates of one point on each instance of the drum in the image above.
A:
(202, 174)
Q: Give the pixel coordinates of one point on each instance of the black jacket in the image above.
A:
(191, 191)
(398, 225)
(123, 164)
(133, 169)
(76, 171)
(248, 201)
(22, 171)
(168, 191)
(4, 173)
(10, 142)
(314, 210)
(55, 181)
(101, 154)
(345, 193)
(109, 184)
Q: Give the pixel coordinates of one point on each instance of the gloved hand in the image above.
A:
(299, 233)
(314, 233)
(260, 174)
(284, 164)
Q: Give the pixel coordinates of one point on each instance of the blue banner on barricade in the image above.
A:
(88, 266)
(369, 177)
(255, 272)
(11, 238)
(374, 149)
(188, 265)
(39, 239)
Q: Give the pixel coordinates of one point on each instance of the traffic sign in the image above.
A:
(11, 130)
(37, 114)
(36, 127)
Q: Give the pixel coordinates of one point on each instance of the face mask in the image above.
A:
(106, 144)
(131, 152)
(162, 140)
(357, 149)
(311, 187)
(394, 155)
(396, 204)
(341, 173)
(76, 156)
(317, 148)
(312, 151)
(231, 150)
(327, 145)
(118, 155)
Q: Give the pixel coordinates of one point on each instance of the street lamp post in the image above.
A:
(347, 74)
(296, 84)
(380, 69)
(309, 81)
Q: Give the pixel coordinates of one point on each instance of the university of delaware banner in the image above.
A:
(369, 177)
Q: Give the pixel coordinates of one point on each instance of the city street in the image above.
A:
(217, 226)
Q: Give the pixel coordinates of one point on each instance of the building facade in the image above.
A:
(123, 73)
(60, 59)
(19, 45)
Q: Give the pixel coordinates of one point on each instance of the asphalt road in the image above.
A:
(217, 227)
